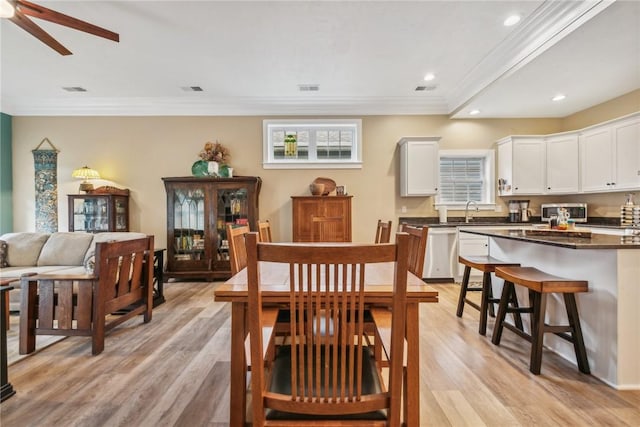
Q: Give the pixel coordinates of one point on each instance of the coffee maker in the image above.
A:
(525, 212)
(514, 211)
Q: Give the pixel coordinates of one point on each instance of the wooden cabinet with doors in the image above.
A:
(333, 213)
(97, 213)
(198, 211)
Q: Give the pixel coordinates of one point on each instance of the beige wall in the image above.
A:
(136, 152)
(617, 107)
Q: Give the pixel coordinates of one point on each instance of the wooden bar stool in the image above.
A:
(487, 265)
(539, 285)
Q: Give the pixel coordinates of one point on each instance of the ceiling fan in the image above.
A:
(22, 10)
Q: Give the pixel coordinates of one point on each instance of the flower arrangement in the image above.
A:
(215, 152)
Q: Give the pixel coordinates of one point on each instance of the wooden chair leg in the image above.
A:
(28, 296)
(484, 302)
(463, 290)
(576, 333)
(517, 318)
(502, 312)
(539, 305)
(491, 299)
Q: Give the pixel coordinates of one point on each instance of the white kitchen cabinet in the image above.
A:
(471, 245)
(610, 156)
(562, 164)
(419, 166)
(626, 148)
(522, 165)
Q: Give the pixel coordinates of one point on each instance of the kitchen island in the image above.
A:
(609, 312)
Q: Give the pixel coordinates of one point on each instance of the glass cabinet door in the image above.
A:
(190, 231)
(91, 214)
(232, 208)
(121, 214)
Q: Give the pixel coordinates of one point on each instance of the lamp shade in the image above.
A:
(85, 173)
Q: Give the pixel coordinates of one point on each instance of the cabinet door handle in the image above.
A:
(548, 188)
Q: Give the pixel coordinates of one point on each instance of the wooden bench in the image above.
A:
(78, 305)
(487, 265)
(539, 285)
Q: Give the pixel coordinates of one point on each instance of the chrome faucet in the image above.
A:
(467, 217)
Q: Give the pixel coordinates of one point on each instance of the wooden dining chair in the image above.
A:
(264, 228)
(237, 247)
(383, 231)
(326, 228)
(417, 247)
(326, 372)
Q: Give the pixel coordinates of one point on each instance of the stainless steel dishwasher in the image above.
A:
(441, 258)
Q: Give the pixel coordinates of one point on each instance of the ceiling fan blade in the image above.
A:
(32, 28)
(41, 12)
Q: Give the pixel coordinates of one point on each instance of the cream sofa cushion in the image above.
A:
(111, 236)
(65, 249)
(23, 249)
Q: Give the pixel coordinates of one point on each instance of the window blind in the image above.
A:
(462, 179)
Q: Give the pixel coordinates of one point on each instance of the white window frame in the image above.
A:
(269, 162)
(489, 190)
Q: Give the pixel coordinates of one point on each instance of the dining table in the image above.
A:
(274, 283)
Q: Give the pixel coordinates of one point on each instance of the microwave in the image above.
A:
(577, 211)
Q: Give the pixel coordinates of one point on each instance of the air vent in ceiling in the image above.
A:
(425, 88)
(74, 89)
(192, 89)
(309, 88)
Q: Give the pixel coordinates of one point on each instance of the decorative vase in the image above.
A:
(316, 189)
(213, 168)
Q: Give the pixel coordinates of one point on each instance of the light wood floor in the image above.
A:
(174, 371)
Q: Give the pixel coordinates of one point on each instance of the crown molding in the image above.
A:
(248, 106)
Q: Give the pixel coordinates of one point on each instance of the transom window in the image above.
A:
(312, 143)
(466, 175)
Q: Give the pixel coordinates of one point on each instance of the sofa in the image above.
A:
(51, 253)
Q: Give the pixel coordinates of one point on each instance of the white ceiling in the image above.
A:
(367, 57)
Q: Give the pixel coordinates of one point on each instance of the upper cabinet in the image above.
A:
(610, 156)
(418, 166)
(600, 158)
(562, 164)
(521, 165)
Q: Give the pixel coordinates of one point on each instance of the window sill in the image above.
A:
(314, 165)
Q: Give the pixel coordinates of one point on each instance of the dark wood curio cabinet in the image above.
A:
(96, 213)
(198, 210)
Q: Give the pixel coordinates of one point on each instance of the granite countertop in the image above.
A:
(489, 221)
(596, 241)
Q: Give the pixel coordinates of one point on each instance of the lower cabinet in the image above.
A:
(469, 245)
(334, 208)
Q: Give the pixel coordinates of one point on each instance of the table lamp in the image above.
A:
(85, 173)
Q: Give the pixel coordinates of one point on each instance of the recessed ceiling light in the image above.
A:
(558, 97)
(512, 20)
(429, 76)
(474, 112)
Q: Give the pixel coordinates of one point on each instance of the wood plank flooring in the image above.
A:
(174, 371)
